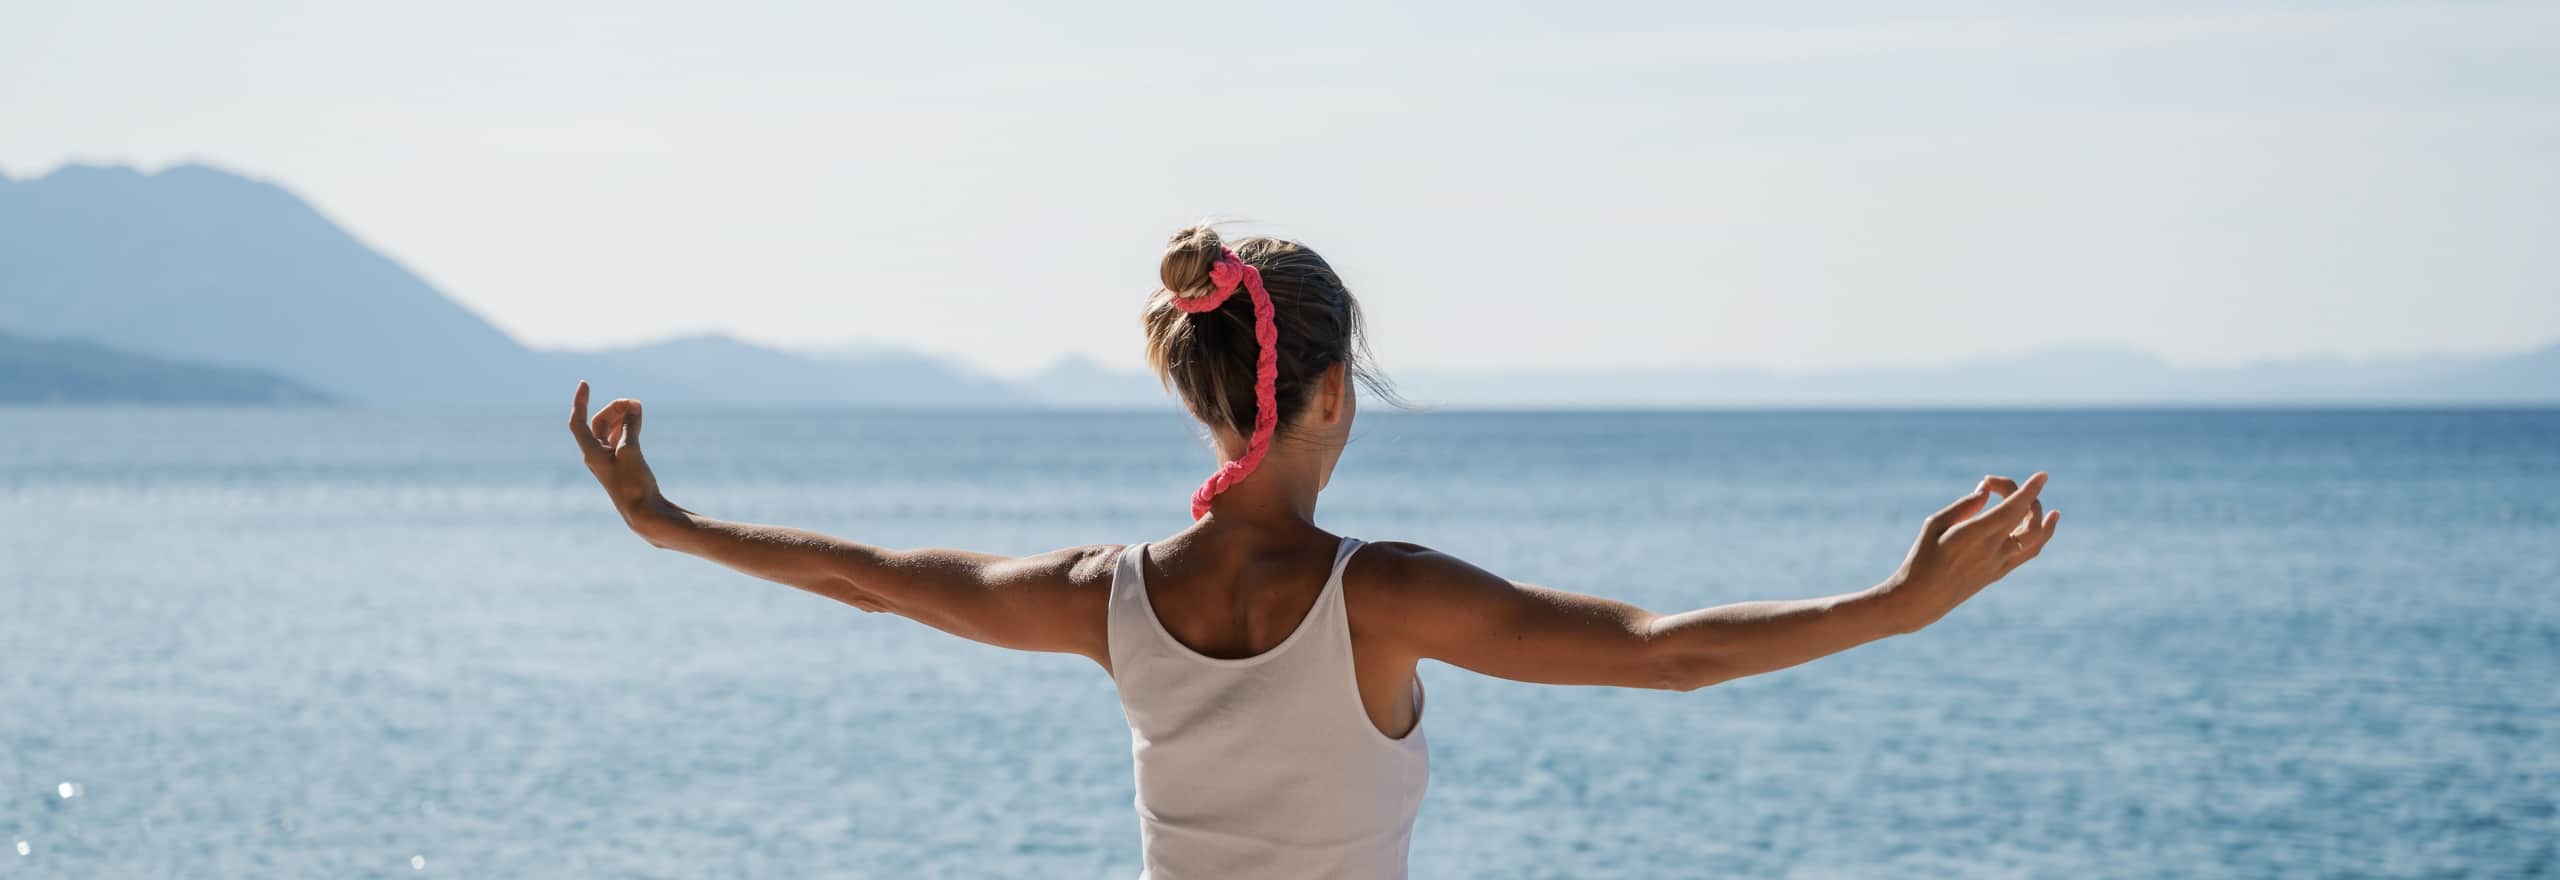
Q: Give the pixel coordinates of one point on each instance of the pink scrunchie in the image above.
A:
(1224, 277)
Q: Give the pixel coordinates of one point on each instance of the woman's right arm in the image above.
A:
(1439, 607)
(1049, 602)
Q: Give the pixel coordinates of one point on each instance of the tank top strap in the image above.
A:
(1332, 607)
(1341, 562)
(1126, 628)
(1129, 576)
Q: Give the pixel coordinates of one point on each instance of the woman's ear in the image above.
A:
(1331, 392)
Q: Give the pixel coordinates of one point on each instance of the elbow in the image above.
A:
(845, 589)
(1685, 682)
(1671, 663)
(1684, 671)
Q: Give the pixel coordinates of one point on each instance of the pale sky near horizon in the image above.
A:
(1524, 185)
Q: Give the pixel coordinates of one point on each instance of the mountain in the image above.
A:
(2531, 376)
(2065, 377)
(1080, 382)
(201, 264)
(722, 369)
(72, 371)
(243, 278)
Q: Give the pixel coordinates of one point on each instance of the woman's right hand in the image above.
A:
(1959, 553)
(611, 445)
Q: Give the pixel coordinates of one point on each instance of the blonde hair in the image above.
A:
(1207, 359)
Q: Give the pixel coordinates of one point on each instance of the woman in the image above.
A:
(1266, 666)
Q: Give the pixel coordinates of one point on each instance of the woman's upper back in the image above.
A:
(1254, 753)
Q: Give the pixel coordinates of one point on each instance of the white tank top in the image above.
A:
(1262, 766)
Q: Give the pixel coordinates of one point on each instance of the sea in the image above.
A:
(402, 642)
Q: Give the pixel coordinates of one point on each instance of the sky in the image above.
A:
(1505, 185)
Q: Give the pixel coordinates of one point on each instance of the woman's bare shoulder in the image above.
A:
(1396, 571)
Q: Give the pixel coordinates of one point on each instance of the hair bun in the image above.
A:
(1187, 260)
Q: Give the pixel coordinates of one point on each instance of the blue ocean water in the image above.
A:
(331, 644)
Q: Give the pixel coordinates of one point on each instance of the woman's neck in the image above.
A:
(1279, 496)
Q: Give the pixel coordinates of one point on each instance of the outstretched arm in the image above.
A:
(1050, 602)
(1462, 615)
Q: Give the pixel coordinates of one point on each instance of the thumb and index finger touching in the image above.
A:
(2020, 519)
(614, 427)
(2017, 500)
(1963, 508)
(618, 424)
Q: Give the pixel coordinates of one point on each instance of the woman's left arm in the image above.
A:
(1049, 602)
(1432, 605)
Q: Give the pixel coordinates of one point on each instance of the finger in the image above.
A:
(2011, 508)
(609, 422)
(631, 428)
(2032, 544)
(1946, 517)
(578, 426)
(2027, 524)
(2044, 532)
(2000, 485)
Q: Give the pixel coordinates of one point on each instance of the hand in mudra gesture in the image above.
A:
(1964, 547)
(611, 445)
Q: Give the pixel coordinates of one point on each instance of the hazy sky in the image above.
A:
(1505, 184)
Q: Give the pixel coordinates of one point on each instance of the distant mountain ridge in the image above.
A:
(59, 371)
(723, 369)
(197, 263)
(2063, 377)
(201, 265)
